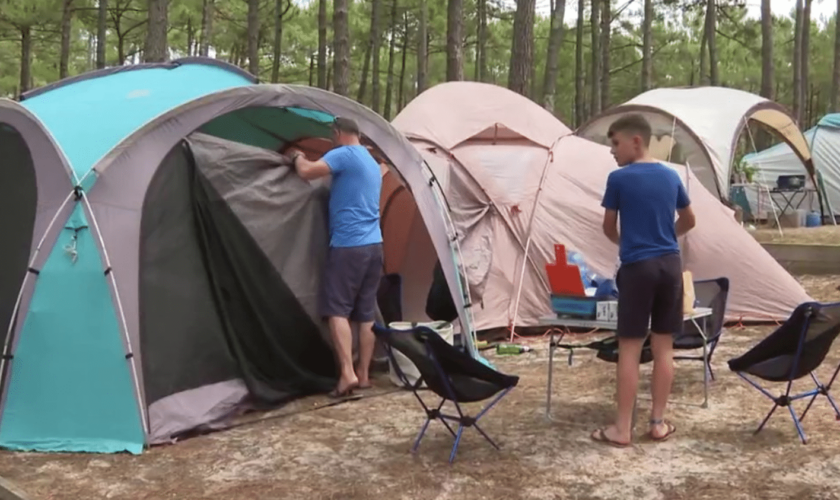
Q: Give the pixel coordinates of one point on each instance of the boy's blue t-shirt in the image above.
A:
(646, 196)
(354, 197)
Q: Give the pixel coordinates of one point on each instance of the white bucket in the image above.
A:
(444, 329)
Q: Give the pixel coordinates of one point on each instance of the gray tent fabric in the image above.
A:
(286, 215)
(125, 172)
(196, 337)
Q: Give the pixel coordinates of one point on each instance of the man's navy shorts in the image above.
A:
(350, 282)
(650, 292)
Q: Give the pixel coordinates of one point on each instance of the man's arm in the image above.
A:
(310, 170)
(685, 215)
(611, 225)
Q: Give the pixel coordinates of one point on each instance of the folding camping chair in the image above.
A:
(706, 334)
(448, 372)
(794, 350)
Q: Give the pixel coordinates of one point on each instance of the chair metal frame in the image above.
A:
(463, 420)
(786, 399)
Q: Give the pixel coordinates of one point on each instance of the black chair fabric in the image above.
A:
(775, 359)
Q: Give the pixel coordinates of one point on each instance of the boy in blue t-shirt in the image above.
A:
(354, 264)
(646, 194)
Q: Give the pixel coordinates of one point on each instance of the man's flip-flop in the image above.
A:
(670, 429)
(347, 392)
(600, 436)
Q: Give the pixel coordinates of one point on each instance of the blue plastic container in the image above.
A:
(574, 306)
(813, 219)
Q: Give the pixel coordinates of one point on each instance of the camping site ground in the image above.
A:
(360, 449)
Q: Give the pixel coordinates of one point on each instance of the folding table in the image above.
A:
(699, 314)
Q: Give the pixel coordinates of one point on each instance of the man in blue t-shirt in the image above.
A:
(645, 194)
(354, 265)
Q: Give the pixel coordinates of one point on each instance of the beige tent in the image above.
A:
(491, 158)
(701, 126)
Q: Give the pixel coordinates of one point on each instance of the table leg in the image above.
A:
(705, 360)
(551, 347)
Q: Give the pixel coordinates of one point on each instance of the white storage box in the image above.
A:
(606, 310)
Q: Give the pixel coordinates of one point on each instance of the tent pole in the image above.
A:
(468, 330)
(16, 309)
(124, 324)
(548, 161)
(763, 181)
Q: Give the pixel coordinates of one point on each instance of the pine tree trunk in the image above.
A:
(606, 20)
(804, 60)
(767, 66)
(594, 54)
(66, 26)
(522, 50)
(704, 75)
(404, 53)
(341, 42)
(455, 40)
(647, 46)
(322, 44)
(481, 57)
(102, 33)
(797, 64)
(279, 14)
(389, 86)
(157, 47)
(423, 45)
(711, 26)
(254, 37)
(206, 28)
(555, 42)
(25, 58)
(580, 77)
(374, 33)
(835, 80)
(376, 40)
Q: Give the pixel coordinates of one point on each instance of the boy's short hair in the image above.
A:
(633, 124)
(346, 125)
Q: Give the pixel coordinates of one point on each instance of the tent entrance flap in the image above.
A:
(17, 218)
(216, 306)
(278, 347)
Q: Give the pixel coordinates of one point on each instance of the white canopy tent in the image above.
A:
(824, 143)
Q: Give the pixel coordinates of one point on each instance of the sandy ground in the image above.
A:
(360, 449)
(824, 235)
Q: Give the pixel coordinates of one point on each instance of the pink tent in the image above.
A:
(509, 169)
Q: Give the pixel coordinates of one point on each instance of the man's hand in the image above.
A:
(308, 170)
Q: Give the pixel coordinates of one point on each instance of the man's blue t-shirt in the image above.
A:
(354, 197)
(646, 196)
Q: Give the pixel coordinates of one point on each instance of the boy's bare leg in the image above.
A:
(367, 342)
(627, 374)
(342, 337)
(662, 346)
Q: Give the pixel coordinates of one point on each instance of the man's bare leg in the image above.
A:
(663, 377)
(342, 337)
(367, 341)
(627, 374)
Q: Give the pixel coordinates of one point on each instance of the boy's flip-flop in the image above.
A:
(600, 436)
(670, 430)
